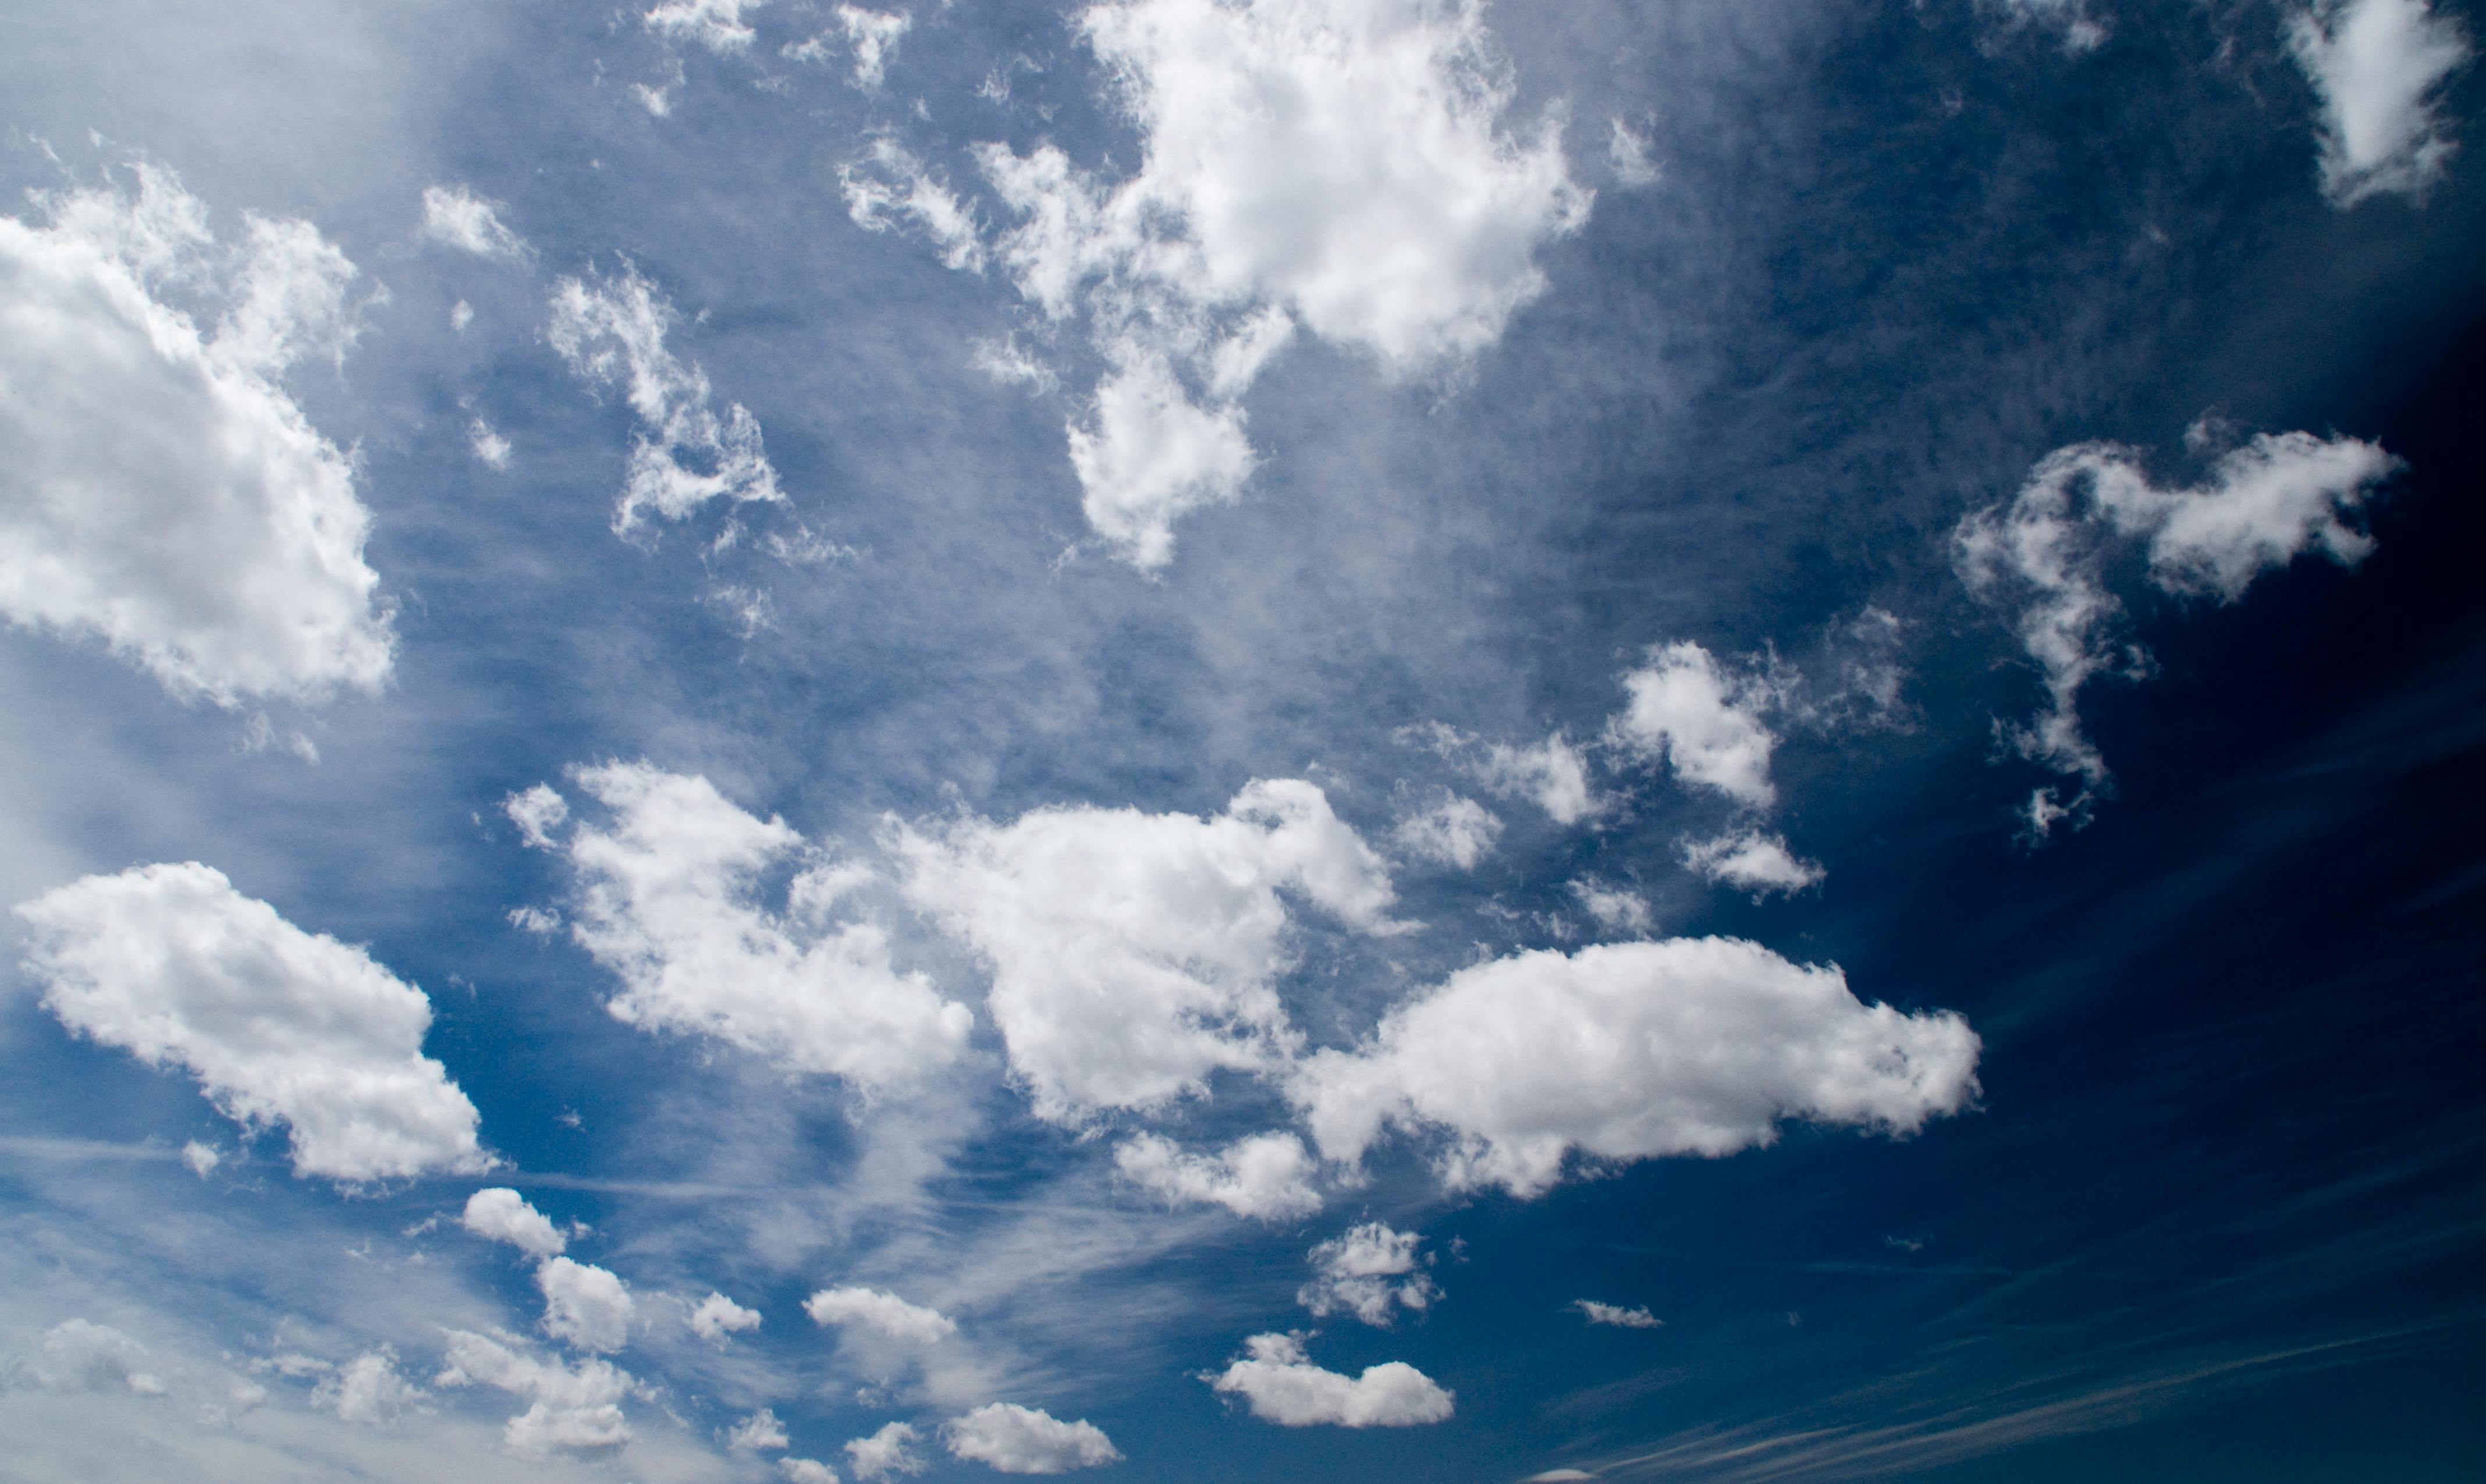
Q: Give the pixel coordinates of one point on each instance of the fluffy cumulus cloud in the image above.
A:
(574, 1408)
(613, 330)
(1706, 723)
(1341, 165)
(1755, 859)
(807, 1471)
(280, 1026)
(1613, 908)
(455, 216)
(1615, 1315)
(669, 900)
(718, 1316)
(2379, 66)
(759, 1433)
(1280, 1384)
(715, 24)
(1553, 774)
(369, 1389)
(1010, 1438)
(1264, 1177)
(2045, 554)
(882, 1313)
(1370, 1272)
(890, 1452)
(1632, 1051)
(872, 36)
(1133, 954)
(585, 1306)
(164, 494)
(1450, 831)
(503, 1215)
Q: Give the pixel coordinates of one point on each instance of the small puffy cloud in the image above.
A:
(613, 330)
(718, 1316)
(369, 1390)
(807, 1471)
(887, 185)
(715, 24)
(1135, 953)
(2081, 32)
(1632, 1051)
(538, 812)
(455, 216)
(669, 903)
(1365, 1273)
(873, 37)
(1280, 1384)
(1552, 774)
(585, 1306)
(760, 1432)
(79, 1355)
(1615, 1315)
(503, 1215)
(571, 1408)
(280, 1026)
(489, 448)
(1010, 1438)
(2045, 551)
(163, 492)
(1615, 909)
(888, 1452)
(1454, 831)
(202, 1159)
(2379, 66)
(1263, 1176)
(1147, 454)
(1755, 859)
(884, 1313)
(1704, 722)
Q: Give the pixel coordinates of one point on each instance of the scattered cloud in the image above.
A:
(1755, 859)
(871, 35)
(2379, 66)
(572, 1408)
(1012, 1438)
(613, 330)
(760, 1432)
(79, 1355)
(718, 1316)
(884, 1313)
(888, 1452)
(1280, 1384)
(1632, 1051)
(368, 1390)
(1627, 154)
(1615, 909)
(807, 1471)
(1263, 1176)
(1370, 1272)
(1704, 722)
(1452, 830)
(503, 1215)
(585, 1306)
(163, 491)
(1615, 1315)
(887, 186)
(1135, 953)
(715, 24)
(202, 1157)
(455, 216)
(279, 1026)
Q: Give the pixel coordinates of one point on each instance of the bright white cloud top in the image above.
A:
(882, 1313)
(1632, 1051)
(2380, 66)
(1278, 1382)
(503, 1215)
(1010, 1438)
(570, 1408)
(1266, 1178)
(164, 493)
(1371, 1271)
(279, 1026)
(455, 216)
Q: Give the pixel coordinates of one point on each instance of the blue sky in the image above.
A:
(1224, 739)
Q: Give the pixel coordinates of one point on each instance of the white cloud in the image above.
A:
(2082, 33)
(538, 812)
(873, 37)
(614, 330)
(890, 1450)
(1552, 774)
(2045, 553)
(1632, 1051)
(807, 1471)
(455, 216)
(203, 1159)
(718, 1316)
(1282, 1385)
(887, 184)
(1706, 723)
(1615, 1315)
(489, 448)
(585, 1306)
(1454, 831)
(368, 1390)
(1365, 1273)
(503, 1215)
(1264, 1177)
(163, 493)
(576, 1408)
(1133, 954)
(79, 1355)
(668, 902)
(1615, 909)
(759, 1432)
(715, 24)
(1339, 166)
(1755, 859)
(1012, 1438)
(172, 964)
(885, 1313)
(2379, 66)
